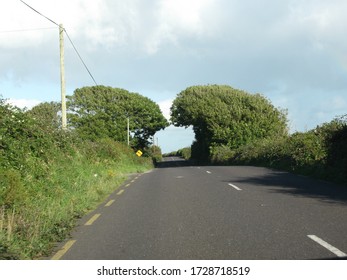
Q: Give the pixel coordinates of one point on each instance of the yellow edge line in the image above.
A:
(63, 250)
(92, 220)
(120, 192)
(109, 203)
(127, 185)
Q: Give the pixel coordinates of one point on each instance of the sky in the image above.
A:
(294, 52)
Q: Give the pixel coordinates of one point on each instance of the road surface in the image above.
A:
(185, 212)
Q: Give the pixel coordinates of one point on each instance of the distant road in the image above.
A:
(212, 212)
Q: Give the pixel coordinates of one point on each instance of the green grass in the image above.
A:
(73, 186)
(50, 178)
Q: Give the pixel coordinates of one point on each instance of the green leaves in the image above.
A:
(29, 141)
(101, 112)
(48, 176)
(221, 115)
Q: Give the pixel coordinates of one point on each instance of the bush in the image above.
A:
(221, 154)
(334, 135)
(186, 153)
(103, 149)
(26, 143)
(321, 152)
(49, 177)
(306, 151)
(154, 152)
(12, 191)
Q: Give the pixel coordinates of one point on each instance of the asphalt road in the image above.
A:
(185, 212)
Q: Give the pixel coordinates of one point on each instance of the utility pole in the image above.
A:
(128, 132)
(62, 77)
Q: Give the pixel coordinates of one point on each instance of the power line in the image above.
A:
(73, 45)
(39, 13)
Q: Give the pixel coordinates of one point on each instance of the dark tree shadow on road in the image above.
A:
(279, 181)
(174, 162)
(297, 185)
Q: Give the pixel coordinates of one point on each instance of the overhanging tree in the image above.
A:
(221, 115)
(102, 112)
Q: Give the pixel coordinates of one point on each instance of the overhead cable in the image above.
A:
(73, 45)
(39, 13)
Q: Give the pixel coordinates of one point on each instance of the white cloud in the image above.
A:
(92, 19)
(23, 103)
(177, 18)
(165, 106)
(15, 16)
(183, 14)
(292, 51)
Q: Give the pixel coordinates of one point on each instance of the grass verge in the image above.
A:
(49, 206)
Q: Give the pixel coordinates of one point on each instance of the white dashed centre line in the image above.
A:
(209, 172)
(326, 245)
(235, 187)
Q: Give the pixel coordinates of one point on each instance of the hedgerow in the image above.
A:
(321, 152)
(50, 177)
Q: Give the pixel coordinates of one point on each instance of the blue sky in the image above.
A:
(293, 52)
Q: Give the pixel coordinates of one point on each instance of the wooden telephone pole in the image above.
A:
(62, 77)
(128, 132)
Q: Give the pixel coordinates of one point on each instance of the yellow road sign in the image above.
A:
(139, 153)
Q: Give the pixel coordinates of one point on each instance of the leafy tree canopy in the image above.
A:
(222, 115)
(47, 113)
(102, 112)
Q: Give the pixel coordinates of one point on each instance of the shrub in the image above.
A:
(306, 150)
(12, 191)
(221, 154)
(186, 153)
(154, 152)
(321, 152)
(334, 135)
(49, 177)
